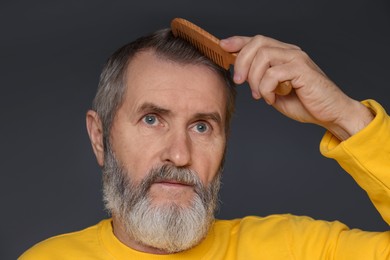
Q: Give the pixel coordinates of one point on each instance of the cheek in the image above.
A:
(136, 152)
(207, 160)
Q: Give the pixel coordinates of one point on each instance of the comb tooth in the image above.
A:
(220, 60)
(185, 36)
(200, 47)
(209, 54)
(191, 37)
(206, 52)
(196, 43)
(212, 55)
(188, 38)
(181, 34)
(215, 59)
(203, 51)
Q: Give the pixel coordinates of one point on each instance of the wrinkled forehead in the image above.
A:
(181, 59)
(148, 61)
(151, 78)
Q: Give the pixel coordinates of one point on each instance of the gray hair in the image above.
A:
(112, 85)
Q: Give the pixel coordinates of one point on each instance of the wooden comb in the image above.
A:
(208, 45)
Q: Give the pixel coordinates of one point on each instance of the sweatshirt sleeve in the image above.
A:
(366, 157)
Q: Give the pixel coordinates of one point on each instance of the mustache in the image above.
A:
(168, 172)
(172, 173)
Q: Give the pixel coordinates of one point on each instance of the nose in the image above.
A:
(177, 149)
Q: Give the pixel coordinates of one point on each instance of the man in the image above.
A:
(159, 127)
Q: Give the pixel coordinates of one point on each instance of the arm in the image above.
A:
(358, 138)
(365, 150)
(366, 157)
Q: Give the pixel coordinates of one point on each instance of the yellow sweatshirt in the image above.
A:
(366, 156)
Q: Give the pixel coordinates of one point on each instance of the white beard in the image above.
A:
(169, 227)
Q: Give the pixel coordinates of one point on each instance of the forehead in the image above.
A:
(150, 78)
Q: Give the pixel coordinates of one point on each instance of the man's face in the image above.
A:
(162, 163)
(171, 114)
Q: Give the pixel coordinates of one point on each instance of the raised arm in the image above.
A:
(358, 138)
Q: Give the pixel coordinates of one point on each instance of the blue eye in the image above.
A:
(201, 127)
(150, 119)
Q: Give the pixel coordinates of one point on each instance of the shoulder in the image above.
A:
(67, 246)
(251, 225)
(258, 221)
(274, 235)
(274, 226)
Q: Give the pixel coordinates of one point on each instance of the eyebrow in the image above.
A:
(210, 116)
(152, 108)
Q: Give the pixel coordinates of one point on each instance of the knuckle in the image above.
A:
(262, 54)
(296, 47)
(259, 39)
(302, 57)
(272, 73)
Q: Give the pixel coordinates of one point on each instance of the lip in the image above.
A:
(173, 183)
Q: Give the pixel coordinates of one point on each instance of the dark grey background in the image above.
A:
(51, 54)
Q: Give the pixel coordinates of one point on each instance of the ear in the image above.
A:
(95, 132)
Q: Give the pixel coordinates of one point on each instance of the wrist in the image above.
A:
(354, 118)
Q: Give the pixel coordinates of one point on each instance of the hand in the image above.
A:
(264, 62)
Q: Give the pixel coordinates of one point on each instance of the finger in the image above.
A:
(272, 78)
(263, 60)
(234, 44)
(264, 41)
(260, 64)
(256, 49)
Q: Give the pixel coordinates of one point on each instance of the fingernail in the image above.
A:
(237, 78)
(255, 95)
(267, 101)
